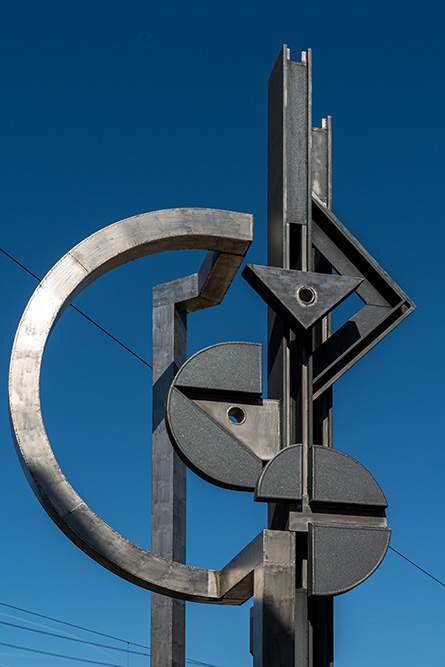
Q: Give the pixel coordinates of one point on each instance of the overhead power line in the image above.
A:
(127, 642)
(73, 639)
(72, 625)
(60, 655)
(418, 567)
(110, 335)
(22, 266)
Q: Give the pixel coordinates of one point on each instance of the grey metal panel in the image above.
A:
(258, 427)
(282, 290)
(321, 162)
(226, 368)
(281, 479)
(208, 449)
(117, 244)
(339, 479)
(298, 153)
(276, 166)
(342, 557)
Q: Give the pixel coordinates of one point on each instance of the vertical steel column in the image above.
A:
(289, 207)
(171, 303)
(322, 187)
(168, 480)
(289, 246)
(299, 160)
(321, 609)
(274, 610)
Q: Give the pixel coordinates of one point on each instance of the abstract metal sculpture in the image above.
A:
(327, 528)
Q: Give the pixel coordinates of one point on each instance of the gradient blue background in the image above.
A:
(110, 109)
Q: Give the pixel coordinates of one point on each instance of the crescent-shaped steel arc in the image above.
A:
(174, 229)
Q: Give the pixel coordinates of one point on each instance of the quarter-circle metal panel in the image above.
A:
(339, 479)
(342, 557)
(281, 479)
(174, 229)
(233, 367)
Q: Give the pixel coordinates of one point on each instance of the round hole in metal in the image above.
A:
(306, 295)
(236, 415)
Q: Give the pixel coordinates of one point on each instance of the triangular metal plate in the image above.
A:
(300, 298)
(257, 426)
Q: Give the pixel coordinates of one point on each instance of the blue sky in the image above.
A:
(110, 109)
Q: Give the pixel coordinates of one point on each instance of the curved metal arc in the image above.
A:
(175, 229)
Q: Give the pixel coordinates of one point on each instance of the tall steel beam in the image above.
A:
(321, 609)
(168, 479)
(171, 303)
(299, 162)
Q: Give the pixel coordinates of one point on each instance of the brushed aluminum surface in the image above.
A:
(142, 235)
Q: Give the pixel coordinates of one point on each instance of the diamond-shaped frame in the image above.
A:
(386, 305)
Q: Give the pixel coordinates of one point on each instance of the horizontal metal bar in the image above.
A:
(236, 578)
(300, 521)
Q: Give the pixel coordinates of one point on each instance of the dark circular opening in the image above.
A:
(236, 415)
(306, 295)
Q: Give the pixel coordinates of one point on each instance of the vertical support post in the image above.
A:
(322, 187)
(168, 480)
(299, 160)
(274, 611)
(171, 303)
(321, 609)
(289, 212)
(289, 246)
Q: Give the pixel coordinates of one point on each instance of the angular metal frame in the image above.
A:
(386, 305)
